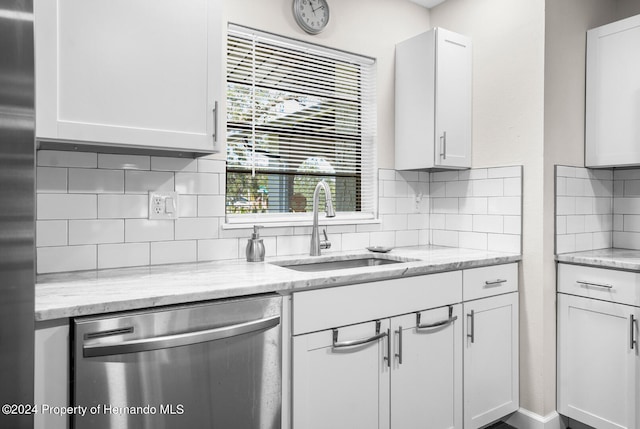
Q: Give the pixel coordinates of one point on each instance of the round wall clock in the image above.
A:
(311, 15)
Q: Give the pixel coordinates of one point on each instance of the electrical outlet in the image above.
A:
(163, 205)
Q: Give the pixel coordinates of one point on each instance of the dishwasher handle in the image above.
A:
(95, 349)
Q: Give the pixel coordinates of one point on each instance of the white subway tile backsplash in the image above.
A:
(565, 205)
(386, 205)
(407, 238)
(488, 223)
(445, 238)
(512, 224)
(198, 183)
(60, 158)
(141, 182)
(575, 224)
(85, 181)
(211, 166)
(473, 240)
(355, 241)
(94, 231)
(394, 222)
(473, 174)
(418, 221)
(66, 206)
(565, 243)
(498, 172)
(211, 205)
(455, 222)
(66, 258)
(584, 206)
(100, 202)
(123, 206)
(513, 187)
(51, 233)
(51, 180)
(444, 205)
(473, 205)
(565, 171)
(503, 243)
(162, 163)
(488, 188)
(458, 189)
(196, 228)
(504, 206)
(220, 249)
(444, 176)
(383, 238)
(136, 230)
(124, 162)
(123, 255)
(187, 205)
(173, 252)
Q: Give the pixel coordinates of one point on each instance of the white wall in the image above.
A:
(366, 27)
(508, 125)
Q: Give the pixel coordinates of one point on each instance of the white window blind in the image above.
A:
(297, 113)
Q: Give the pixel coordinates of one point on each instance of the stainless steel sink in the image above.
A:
(339, 264)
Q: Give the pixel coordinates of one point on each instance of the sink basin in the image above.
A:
(339, 264)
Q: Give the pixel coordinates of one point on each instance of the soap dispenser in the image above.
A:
(255, 246)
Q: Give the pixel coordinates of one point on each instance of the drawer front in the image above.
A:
(489, 281)
(600, 283)
(321, 309)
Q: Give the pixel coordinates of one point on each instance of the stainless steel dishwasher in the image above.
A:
(215, 365)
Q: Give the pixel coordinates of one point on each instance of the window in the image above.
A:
(297, 113)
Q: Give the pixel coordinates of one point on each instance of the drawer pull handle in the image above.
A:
(589, 284)
(448, 321)
(399, 354)
(494, 282)
(358, 342)
(472, 333)
(632, 328)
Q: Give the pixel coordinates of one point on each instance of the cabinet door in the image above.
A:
(426, 380)
(341, 387)
(597, 362)
(143, 73)
(490, 359)
(612, 128)
(453, 100)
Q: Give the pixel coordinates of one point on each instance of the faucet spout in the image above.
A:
(316, 243)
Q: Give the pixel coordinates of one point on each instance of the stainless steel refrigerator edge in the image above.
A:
(17, 210)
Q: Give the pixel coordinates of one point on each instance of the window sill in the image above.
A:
(279, 221)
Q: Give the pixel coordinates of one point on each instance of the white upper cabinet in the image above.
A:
(133, 74)
(433, 101)
(612, 129)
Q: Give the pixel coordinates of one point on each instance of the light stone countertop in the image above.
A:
(622, 259)
(104, 291)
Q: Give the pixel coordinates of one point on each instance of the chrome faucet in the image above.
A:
(316, 243)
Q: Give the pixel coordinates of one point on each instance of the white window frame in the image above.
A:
(369, 177)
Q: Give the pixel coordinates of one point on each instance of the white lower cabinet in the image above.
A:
(387, 373)
(598, 363)
(341, 387)
(420, 358)
(426, 376)
(491, 376)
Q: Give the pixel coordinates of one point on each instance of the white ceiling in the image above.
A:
(428, 3)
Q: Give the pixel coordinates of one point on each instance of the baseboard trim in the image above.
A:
(525, 419)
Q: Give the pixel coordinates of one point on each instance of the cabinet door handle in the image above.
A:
(589, 284)
(632, 329)
(359, 341)
(388, 356)
(448, 321)
(443, 145)
(471, 334)
(494, 282)
(399, 354)
(215, 122)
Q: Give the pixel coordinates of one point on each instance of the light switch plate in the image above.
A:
(163, 205)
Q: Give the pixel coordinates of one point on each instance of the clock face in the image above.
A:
(311, 15)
